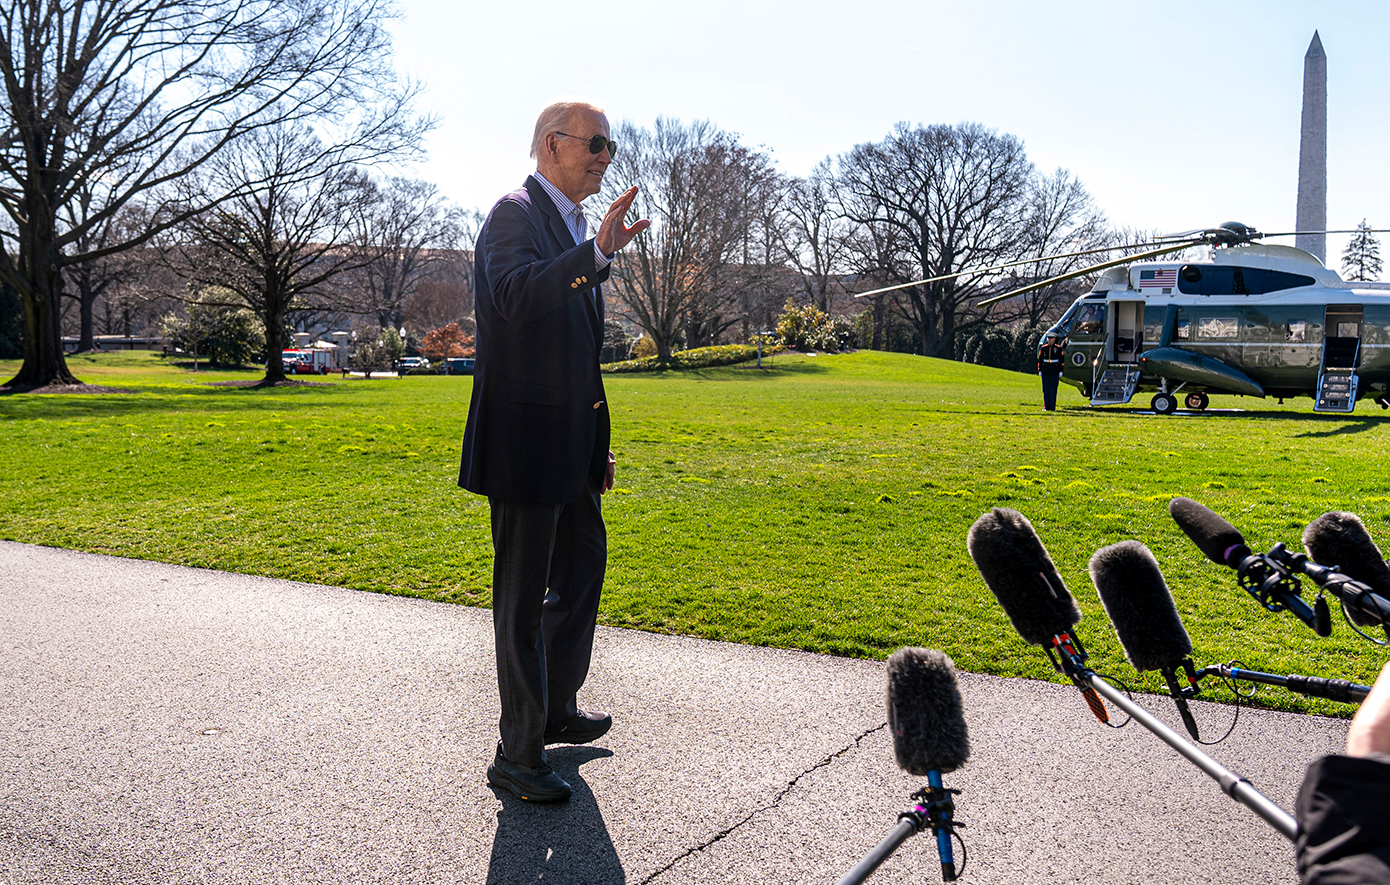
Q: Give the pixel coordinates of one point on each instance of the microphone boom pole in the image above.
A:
(1354, 594)
(1310, 686)
(933, 810)
(1232, 784)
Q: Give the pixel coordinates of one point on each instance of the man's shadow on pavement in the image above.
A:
(565, 843)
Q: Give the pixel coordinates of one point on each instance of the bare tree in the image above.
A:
(1061, 219)
(684, 172)
(815, 235)
(276, 249)
(126, 97)
(939, 199)
(87, 282)
(411, 234)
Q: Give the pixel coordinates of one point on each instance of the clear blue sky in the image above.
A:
(1173, 114)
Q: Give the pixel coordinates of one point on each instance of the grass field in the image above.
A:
(821, 504)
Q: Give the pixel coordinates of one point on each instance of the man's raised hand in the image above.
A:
(613, 234)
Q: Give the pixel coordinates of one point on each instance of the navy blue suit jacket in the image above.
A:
(538, 422)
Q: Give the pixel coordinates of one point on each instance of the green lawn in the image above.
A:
(822, 504)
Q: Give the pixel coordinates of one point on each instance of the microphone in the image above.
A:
(1141, 609)
(1016, 568)
(1264, 576)
(1015, 565)
(925, 713)
(1340, 540)
(929, 736)
(1214, 536)
(1021, 576)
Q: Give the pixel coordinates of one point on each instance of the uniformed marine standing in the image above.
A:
(1050, 368)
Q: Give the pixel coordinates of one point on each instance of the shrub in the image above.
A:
(810, 328)
(224, 336)
(644, 348)
(1015, 349)
(699, 358)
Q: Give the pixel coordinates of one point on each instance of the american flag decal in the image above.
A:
(1158, 279)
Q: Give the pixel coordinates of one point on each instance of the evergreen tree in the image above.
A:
(1361, 260)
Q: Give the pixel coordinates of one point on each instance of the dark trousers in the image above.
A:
(1049, 381)
(547, 574)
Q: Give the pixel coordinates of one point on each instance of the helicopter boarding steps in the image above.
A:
(1337, 380)
(1115, 386)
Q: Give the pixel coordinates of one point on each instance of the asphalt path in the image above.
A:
(161, 724)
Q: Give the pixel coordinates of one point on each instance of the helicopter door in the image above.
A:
(1126, 331)
(1341, 354)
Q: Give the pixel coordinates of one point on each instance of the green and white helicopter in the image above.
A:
(1251, 319)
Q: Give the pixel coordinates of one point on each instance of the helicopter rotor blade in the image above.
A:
(1296, 233)
(985, 270)
(1089, 270)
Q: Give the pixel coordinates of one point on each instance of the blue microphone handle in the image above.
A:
(933, 811)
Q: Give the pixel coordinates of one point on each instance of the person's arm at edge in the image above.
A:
(1343, 806)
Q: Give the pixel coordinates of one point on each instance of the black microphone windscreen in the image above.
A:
(1136, 598)
(1020, 574)
(924, 712)
(1212, 534)
(1340, 540)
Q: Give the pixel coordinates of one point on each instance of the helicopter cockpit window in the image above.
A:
(1090, 319)
(1196, 279)
(1296, 331)
(1218, 327)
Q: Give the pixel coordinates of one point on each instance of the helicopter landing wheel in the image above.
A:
(1197, 401)
(1164, 403)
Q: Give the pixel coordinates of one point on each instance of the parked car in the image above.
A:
(406, 363)
(458, 365)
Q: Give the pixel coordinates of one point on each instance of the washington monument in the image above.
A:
(1312, 154)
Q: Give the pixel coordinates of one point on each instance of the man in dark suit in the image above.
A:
(537, 439)
(1050, 356)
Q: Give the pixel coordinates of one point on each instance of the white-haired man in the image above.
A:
(537, 440)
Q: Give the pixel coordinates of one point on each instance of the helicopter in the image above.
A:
(1252, 319)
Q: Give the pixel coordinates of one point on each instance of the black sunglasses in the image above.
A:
(596, 144)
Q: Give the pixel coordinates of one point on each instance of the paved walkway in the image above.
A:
(170, 725)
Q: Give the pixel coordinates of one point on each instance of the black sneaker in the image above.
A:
(579, 728)
(540, 784)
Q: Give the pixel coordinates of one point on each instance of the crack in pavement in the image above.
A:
(769, 806)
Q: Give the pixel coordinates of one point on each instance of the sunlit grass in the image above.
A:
(821, 504)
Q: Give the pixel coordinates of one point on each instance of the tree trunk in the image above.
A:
(880, 311)
(274, 352)
(44, 363)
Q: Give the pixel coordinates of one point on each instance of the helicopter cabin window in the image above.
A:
(1296, 332)
(1196, 279)
(1183, 331)
(1218, 327)
(1090, 319)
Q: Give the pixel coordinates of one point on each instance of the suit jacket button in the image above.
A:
(583, 279)
(597, 404)
(574, 285)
